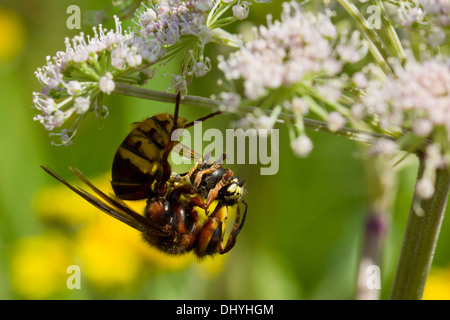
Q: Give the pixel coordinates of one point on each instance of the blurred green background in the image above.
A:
(302, 237)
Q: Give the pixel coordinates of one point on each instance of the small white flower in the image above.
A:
(425, 188)
(201, 68)
(240, 11)
(106, 83)
(299, 106)
(152, 51)
(81, 104)
(384, 147)
(231, 101)
(73, 87)
(434, 158)
(409, 14)
(335, 121)
(178, 83)
(348, 53)
(118, 56)
(263, 122)
(360, 80)
(134, 59)
(302, 146)
(204, 5)
(148, 17)
(422, 127)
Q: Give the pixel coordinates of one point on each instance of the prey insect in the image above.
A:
(179, 215)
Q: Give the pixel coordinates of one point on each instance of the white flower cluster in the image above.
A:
(167, 22)
(284, 52)
(75, 79)
(417, 99)
(291, 54)
(424, 11)
(432, 16)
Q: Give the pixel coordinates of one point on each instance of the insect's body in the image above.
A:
(181, 228)
(176, 218)
(138, 161)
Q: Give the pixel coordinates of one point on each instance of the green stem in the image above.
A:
(376, 45)
(420, 239)
(225, 38)
(315, 125)
(142, 93)
(382, 186)
(390, 31)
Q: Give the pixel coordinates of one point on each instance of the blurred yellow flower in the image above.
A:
(210, 267)
(154, 258)
(57, 203)
(38, 266)
(111, 253)
(107, 255)
(13, 33)
(438, 284)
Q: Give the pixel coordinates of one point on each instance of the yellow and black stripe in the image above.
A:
(137, 162)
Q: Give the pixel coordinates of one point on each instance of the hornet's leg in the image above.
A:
(236, 229)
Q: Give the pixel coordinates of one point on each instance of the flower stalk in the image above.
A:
(382, 185)
(390, 31)
(420, 238)
(197, 101)
(148, 94)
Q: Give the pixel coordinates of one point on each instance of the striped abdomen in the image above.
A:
(137, 162)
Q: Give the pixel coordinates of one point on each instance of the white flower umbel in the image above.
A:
(75, 80)
(300, 55)
(430, 17)
(425, 11)
(417, 99)
(187, 26)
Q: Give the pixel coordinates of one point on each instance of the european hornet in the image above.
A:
(171, 221)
